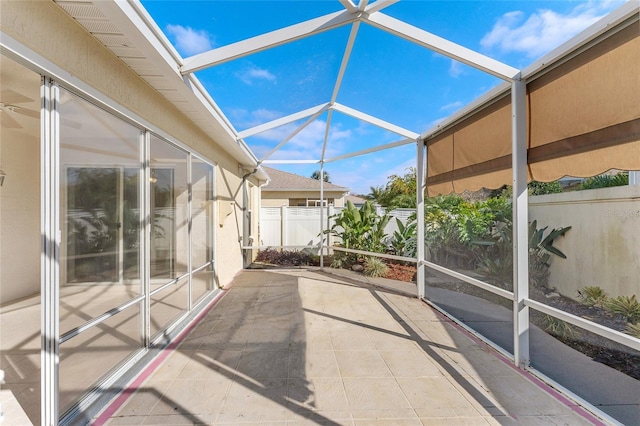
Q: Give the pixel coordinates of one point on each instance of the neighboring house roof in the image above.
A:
(284, 181)
(354, 199)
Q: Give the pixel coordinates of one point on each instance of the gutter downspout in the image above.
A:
(247, 238)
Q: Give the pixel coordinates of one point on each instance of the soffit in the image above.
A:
(131, 36)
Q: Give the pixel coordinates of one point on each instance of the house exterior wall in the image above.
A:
(46, 29)
(19, 216)
(603, 245)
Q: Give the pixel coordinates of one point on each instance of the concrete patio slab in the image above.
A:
(309, 348)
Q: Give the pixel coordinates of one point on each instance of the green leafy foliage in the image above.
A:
(403, 241)
(628, 307)
(541, 188)
(633, 329)
(375, 267)
(399, 192)
(605, 181)
(558, 327)
(593, 296)
(360, 229)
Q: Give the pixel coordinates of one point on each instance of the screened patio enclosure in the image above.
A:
(573, 112)
(134, 204)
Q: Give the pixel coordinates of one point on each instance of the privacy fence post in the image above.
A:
(520, 223)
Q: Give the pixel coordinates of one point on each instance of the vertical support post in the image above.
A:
(245, 221)
(420, 254)
(146, 238)
(322, 215)
(190, 229)
(49, 252)
(520, 223)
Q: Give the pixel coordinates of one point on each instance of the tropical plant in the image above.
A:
(593, 296)
(633, 329)
(404, 239)
(558, 327)
(605, 181)
(375, 267)
(360, 229)
(628, 307)
(497, 261)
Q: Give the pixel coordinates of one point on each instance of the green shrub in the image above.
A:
(284, 257)
(593, 296)
(557, 327)
(360, 229)
(605, 181)
(633, 329)
(375, 267)
(626, 306)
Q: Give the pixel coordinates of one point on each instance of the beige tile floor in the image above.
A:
(288, 348)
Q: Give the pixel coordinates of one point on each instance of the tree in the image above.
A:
(316, 175)
(399, 192)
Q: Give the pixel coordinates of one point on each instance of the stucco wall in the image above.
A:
(45, 28)
(603, 245)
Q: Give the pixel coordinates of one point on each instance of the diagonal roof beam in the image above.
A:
(294, 133)
(265, 41)
(291, 161)
(371, 150)
(362, 5)
(282, 121)
(441, 45)
(379, 5)
(336, 88)
(348, 4)
(375, 121)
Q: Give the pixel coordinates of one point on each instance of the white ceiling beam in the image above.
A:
(349, 5)
(282, 121)
(265, 41)
(345, 60)
(371, 150)
(326, 134)
(375, 121)
(291, 162)
(293, 134)
(441, 45)
(379, 5)
(362, 5)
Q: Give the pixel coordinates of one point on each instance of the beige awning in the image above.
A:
(583, 118)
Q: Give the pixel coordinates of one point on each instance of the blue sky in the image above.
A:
(387, 77)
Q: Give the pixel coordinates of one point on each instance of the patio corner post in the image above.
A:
(520, 224)
(420, 187)
(49, 252)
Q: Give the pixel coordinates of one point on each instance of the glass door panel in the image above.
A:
(93, 224)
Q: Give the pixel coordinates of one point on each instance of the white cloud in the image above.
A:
(456, 69)
(543, 30)
(252, 73)
(451, 106)
(189, 41)
(306, 145)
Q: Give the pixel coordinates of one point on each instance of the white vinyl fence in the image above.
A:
(300, 226)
